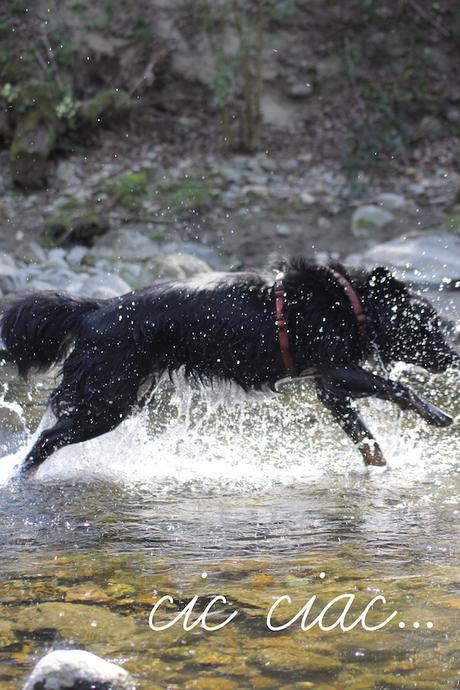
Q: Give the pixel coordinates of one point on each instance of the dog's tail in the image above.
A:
(38, 329)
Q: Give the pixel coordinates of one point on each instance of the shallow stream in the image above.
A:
(210, 494)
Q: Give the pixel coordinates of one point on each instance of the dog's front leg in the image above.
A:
(357, 383)
(352, 424)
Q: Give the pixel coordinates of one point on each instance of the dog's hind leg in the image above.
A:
(353, 425)
(69, 429)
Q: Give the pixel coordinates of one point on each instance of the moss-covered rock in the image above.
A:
(107, 104)
(36, 133)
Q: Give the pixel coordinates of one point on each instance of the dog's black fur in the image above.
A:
(222, 327)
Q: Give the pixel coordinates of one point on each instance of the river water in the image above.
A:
(212, 494)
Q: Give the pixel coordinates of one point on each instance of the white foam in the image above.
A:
(223, 440)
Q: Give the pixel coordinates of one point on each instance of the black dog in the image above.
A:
(317, 321)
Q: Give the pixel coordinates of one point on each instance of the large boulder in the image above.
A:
(77, 670)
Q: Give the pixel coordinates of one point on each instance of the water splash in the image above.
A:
(221, 439)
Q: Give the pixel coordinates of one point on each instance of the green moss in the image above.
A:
(157, 236)
(109, 103)
(88, 260)
(184, 195)
(71, 204)
(128, 190)
(451, 224)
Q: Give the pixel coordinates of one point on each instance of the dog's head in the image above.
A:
(407, 327)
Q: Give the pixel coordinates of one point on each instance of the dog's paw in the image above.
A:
(372, 453)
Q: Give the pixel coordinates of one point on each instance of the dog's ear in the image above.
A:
(383, 281)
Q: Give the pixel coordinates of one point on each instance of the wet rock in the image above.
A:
(211, 683)
(368, 218)
(288, 660)
(77, 670)
(86, 592)
(84, 624)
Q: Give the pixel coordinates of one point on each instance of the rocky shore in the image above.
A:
(108, 224)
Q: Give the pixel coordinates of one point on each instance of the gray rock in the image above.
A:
(37, 252)
(307, 198)
(75, 255)
(300, 90)
(173, 267)
(7, 271)
(288, 165)
(230, 173)
(423, 258)
(126, 244)
(67, 172)
(104, 286)
(368, 218)
(56, 277)
(7, 260)
(201, 251)
(57, 256)
(76, 669)
(283, 230)
(391, 201)
(256, 190)
(430, 127)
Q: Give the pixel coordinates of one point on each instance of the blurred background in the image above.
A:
(158, 138)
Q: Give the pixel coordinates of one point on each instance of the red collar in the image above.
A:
(281, 323)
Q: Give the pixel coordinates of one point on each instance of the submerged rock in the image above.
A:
(77, 670)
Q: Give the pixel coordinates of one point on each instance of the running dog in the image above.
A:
(322, 322)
